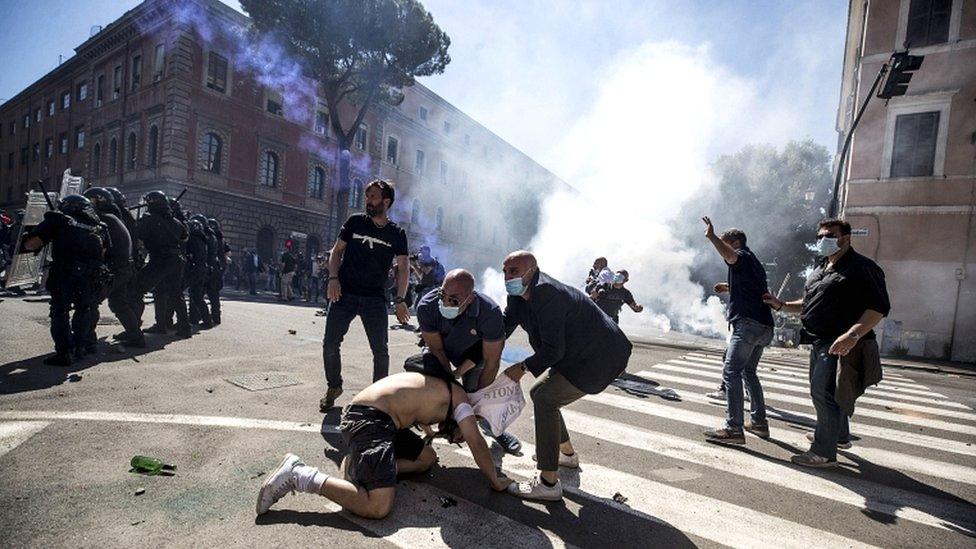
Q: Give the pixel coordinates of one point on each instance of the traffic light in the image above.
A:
(902, 68)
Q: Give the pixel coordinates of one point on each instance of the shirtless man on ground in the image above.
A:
(376, 428)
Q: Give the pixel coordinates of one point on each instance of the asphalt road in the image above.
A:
(67, 435)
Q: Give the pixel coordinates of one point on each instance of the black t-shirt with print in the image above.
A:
(369, 253)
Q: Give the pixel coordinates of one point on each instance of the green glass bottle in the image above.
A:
(150, 466)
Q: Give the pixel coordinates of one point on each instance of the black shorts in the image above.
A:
(374, 445)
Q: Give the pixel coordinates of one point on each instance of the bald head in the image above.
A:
(458, 282)
(523, 260)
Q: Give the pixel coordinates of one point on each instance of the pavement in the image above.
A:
(647, 477)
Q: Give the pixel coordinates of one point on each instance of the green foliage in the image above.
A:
(775, 196)
(361, 51)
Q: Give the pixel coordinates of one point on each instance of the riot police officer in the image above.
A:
(118, 259)
(79, 241)
(217, 276)
(198, 267)
(138, 259)
(163, 236)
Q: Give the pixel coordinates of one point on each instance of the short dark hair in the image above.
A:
(385, 187)
(735, 234)
(845, 227)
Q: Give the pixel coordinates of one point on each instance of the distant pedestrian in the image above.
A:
(288, 264)
(613, 298)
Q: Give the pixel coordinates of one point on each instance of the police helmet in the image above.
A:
(75, 204)
(118, 196)
(214, 224)
(101, 199)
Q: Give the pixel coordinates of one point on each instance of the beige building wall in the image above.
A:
(920, 229)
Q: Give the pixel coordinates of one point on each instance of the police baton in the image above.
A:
(40, 183)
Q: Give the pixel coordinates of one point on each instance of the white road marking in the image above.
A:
(179, 419)
(15, 433)
(885, 458)
(804, 388)
(691, 513)
(862, 411)
(891, 435)
(833, 485)
(882, 390)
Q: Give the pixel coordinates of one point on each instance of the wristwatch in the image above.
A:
(398, 300)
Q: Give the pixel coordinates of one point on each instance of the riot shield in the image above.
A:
(26, 269)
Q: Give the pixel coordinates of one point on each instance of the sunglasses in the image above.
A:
(450, 300)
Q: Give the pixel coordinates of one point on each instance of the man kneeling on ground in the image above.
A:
(376, 429)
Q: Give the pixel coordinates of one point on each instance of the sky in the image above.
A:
(536, 69)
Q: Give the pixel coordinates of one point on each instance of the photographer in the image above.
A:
(428, 270)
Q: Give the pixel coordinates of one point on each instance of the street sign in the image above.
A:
(859, 231)
(295, 235)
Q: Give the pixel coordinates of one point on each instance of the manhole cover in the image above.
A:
(260, 382)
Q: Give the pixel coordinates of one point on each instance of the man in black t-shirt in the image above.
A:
(844, 298)
(288, 264)
(752, 331)
(359, 262)
(611, 300)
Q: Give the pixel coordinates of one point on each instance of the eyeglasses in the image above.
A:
(450, 300)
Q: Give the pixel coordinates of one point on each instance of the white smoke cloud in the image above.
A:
(662, 113)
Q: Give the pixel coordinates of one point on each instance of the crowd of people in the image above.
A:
(101, 251)
(455, 387)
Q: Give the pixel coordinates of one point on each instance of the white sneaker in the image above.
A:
(278, 483)
(717, 395)
(570, 462)
(535, 489)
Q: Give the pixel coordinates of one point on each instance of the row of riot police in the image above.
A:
(100, 250)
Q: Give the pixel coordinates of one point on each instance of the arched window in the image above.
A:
(113, 156)
(265, 245)
(212, 149)
(356, 194)
(415, 211)
(130, 152)
(153, 146)
(269, 169)
(97, 160)
(439, 220)
(317, 184)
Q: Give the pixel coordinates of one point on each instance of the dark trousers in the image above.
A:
(70, 291)
(252, 282)
(214, 285)
(198, 310)
(120, 299)
(163, 275)
(833, 425)
(372, 312)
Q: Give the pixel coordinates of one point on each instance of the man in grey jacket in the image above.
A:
(578, 351)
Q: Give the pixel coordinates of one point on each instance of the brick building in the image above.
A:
(910, 185)
(161, 100)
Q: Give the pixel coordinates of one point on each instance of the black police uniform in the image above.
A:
(197, 272)
(216, 282)
(78, 244)
(163, 236)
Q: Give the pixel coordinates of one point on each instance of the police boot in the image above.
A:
(155, 329)
(184, 331)
(61, 359)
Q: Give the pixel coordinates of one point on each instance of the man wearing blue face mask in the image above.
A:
(844, 298)
(578, 351)
(463, 337)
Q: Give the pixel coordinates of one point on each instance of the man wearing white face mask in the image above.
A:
(844, 299)
(463, 335)
(578, 351)
(612, 299)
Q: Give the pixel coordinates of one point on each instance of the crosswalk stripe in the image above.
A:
(889, 379)
(15, 433)
(883, 389)
(418, 520)
(798, 365)
(841, 488)
(181, 419)
(862, 411)
(927, 442)
(694, 514)
(886, 458)
(804, 388)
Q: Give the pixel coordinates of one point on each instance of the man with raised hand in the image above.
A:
(579, 350)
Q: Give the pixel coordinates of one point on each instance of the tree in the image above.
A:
(773, 196)
(361, 52)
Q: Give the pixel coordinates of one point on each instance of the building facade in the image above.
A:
(910, 181)
(164, 98)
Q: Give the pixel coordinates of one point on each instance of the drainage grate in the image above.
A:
(262, 381)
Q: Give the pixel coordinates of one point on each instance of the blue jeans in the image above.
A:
(741, 360)
(832, 423)
(372, 311)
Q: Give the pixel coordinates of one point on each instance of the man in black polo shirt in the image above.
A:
(844, 299)
(578, 351)
(612, 299)
(358, 265)
(463, 334)
(752, 331)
